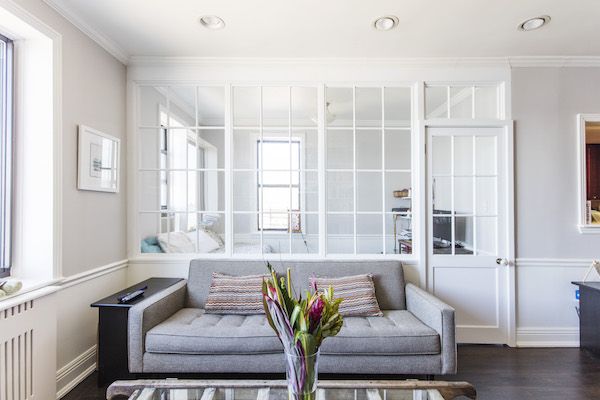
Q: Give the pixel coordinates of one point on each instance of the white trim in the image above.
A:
(589, 229)
(548, 337)
(553, 262)
(112, 47)
(514, 61)
(92, 274)
(73, 367)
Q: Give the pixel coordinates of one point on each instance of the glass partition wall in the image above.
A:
(298, 170)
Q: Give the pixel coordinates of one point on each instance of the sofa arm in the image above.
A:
(438, 315)
(147, 314)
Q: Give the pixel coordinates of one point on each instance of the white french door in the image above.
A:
(470, 239)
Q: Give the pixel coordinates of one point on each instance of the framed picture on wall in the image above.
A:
(98, 161)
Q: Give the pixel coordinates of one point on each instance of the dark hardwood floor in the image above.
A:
(498, 373)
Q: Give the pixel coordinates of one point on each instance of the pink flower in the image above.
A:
(313, 283)
(315, 312)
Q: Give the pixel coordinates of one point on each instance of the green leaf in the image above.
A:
(295, 314)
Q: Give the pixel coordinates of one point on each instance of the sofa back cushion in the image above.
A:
(388, 276)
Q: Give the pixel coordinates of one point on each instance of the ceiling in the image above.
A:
(338, 28)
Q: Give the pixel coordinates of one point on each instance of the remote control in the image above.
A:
(127, 297)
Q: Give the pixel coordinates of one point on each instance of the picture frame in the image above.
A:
(98, 160)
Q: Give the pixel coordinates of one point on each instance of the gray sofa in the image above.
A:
(170, 333)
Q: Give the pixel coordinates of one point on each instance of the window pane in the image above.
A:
(486, 102)
(246, 106)
(211, 145)
(397, 182)
(246, 237)
(276, 106)
(340, 191)
(485, 153)
(442, 235)
(304, 106)
(442, 195)
(463, 235)
(340, 234)
(441, 156)
(461, 102)
(463, 195)
(398, 240)
(369, 234)
(182, 106)
(245, 197)
(397, 149)
(368, 107)
(275, 199)
(305, 240)
(153, 102)
(463, 155)
(436, 102)
(368, 149)
(340, 154)
(211, 106)
(397, 107)
(368, 191)
(339, 107)
(206, 191)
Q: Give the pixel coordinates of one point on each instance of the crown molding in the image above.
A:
(103, 41)
(554, 61)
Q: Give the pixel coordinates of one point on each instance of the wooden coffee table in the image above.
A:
(277, 390)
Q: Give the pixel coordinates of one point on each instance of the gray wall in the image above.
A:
(94, 83)
(545, 102)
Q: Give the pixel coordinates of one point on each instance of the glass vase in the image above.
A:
(302, 375)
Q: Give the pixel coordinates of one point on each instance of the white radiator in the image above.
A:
(28, 347)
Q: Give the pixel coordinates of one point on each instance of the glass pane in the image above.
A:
(398, 240)
(340, 191)
(340, 234)
(368, 234)
(309, 191)
(274, 221)
(279, 154)
(150, 226)
(368, 191)
(211, 106)
(152, 103)
(206, 191)
(304, 106)
(339, 103)
(463, 195)
(309, 156)
(461, 102)
(486, 236)
(340, 154)
(485, 154)
(486, 196)
(149, 148)
(442, 235)
(463, 235)
(436, 102)
(246, 106)
(276, 106)
(179, 143)
(276, 242)
(441, 156)
(246, 238)
(368, 149)
(463, 155)
(397, 150)
(245, 191)
(486, 102)
(275, 199)
(397, 107)
(245, 149)
(213, 222)
(152, 190)
(182, 106)
(397, 191)
(368, 107)
(211, 150)
(305, 240)
(442, 195)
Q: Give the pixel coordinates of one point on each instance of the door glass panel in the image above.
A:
(463, 235)
(442, 155)
(485, 150)
(442, 235)
(463, 155)
(486, 196)
(442, 195)
(463, 195)
(486, 240)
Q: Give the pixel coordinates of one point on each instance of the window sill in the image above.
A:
(589, 229)
(31, 290)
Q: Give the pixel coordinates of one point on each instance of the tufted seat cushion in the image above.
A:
(192, 331)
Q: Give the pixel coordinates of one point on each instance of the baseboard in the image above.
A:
(75, 372)
(548, 337)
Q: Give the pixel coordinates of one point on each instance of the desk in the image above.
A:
(589, 316)
(112, 329)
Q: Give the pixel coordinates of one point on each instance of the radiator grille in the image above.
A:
(16, 354)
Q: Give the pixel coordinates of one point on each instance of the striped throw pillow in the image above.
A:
(358, 292)
(235, 294)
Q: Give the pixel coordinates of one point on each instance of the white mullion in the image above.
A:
(475, 251)
(472, 102)
(321, 165)
(168, 166)
(354, 161)
(197, 141)
(452, 205)
(290, 164)
(228, 171)
(448, 89)
(383, 215)
(261, 210)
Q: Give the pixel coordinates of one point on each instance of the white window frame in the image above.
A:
(6, 156)
(583, 225)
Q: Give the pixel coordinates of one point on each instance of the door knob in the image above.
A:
(502, 261)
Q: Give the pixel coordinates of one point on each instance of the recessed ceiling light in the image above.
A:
(386, 23)
(534, 23)
(212, 22)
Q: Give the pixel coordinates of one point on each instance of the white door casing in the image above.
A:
(470, 229)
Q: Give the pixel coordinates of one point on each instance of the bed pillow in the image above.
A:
(207, 242)
(235, 294)
(176, 242)
(358, 292)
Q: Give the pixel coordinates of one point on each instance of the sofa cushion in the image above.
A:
(398, 332)
(235, 294)
(357, 292)
(192, 331)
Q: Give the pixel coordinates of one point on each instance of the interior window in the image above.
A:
(6, 112)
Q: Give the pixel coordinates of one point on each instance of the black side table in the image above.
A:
(112, 329)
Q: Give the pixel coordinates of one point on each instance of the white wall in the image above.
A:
(550, 250)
